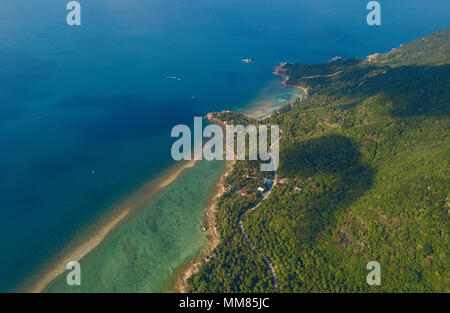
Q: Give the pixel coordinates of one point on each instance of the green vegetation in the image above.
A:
(364, 161)
(233, 266)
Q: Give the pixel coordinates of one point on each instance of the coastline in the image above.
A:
(182, 277)
(263, 112)
(105, 226)
(79, 253)
(279, 70)
(127, 206)
(171, 178)
(181, 283)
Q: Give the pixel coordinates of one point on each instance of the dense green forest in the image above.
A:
(364, 165)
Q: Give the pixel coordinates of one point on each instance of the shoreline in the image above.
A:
(181, 282)
(258, 112)
(78, 253)
(213, 237)
(105, 226)
(279, 70)
(132, 202)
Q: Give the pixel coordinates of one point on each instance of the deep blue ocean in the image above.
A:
(86, 111)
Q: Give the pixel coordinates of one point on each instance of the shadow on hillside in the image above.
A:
(333, 164)
(411, 90)
(407, 90)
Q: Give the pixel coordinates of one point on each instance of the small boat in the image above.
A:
(247, 60)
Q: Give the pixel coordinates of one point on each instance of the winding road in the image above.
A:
(241, 227)
(241, 218)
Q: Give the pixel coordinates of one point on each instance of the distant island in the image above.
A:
(363, 177)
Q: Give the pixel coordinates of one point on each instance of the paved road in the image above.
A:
(241, 226)
(241, 218)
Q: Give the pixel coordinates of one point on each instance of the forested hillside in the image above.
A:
(364, 166)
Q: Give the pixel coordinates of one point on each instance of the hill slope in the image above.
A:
(364, 159)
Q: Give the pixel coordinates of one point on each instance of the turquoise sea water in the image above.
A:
(86, 112)
(145, 253)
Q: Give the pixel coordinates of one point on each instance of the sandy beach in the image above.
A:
(181, 284)
(58, 267)
(171, 178)
(129, 205)
(265, 109)
(78, 253)
(281, 71)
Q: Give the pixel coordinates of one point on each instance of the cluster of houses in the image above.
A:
(267, 182)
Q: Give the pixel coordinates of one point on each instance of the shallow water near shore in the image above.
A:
(144, 254)
(271, 98)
